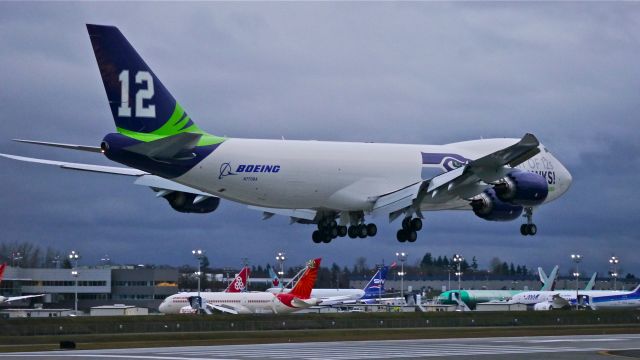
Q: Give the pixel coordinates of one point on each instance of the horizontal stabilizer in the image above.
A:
(175, 147)
(82, 167)
(95, 149)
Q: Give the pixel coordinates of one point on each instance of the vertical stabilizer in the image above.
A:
(550, 283)
(275, 280)
(239, 283)
(305, 284)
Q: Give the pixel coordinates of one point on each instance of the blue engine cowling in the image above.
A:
(489, 207)
(523, 188)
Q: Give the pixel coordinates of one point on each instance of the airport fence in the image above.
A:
(230, 323)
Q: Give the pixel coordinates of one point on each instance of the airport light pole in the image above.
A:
(379, 267)
(280, 258)
(576, 258)
(458, 259)
(614, 261)
(198, 254)
(402, 257)
(74, 256)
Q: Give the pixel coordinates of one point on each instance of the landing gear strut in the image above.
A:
(529, 228)
(410, 228)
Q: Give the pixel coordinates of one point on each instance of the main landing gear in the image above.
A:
(329, 230)
(529, 228)
(410, 228)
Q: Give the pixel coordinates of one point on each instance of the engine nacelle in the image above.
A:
(523, 188)
(488, 206)
(543, 306)
(183, 202)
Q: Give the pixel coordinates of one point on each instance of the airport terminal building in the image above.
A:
(130, 285)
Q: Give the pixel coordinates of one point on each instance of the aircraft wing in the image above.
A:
(489, 168)
(223, 308)
(294, 214)
(335, 300)
(464, 182)
(300, 303)
(16, 298)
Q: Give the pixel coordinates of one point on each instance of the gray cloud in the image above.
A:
(384, 72)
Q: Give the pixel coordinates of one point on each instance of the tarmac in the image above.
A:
(589, 347)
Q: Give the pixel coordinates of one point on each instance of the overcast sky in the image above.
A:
(428, 73)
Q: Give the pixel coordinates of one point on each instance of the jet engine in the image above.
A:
(488, 206)
(543, 306)
(522, 188)
(184, 202)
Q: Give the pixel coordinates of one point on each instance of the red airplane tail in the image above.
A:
(305, 284)
(2, 267)
(240, 282)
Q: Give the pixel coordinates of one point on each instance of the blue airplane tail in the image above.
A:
(375, 287)
(275, 281)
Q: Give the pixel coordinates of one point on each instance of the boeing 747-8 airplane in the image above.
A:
(339, 186)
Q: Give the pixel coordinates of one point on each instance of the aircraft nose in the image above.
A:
(566, 178)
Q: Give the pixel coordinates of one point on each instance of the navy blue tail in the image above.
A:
(138, 100)
(375, 287)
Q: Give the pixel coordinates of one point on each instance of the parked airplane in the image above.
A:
(373, 290)
(6, 299)
(250, 302)
(239, 283)
(564, 299)
(473, 297)
(335, 185)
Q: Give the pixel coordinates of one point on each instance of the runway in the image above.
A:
(557, 347)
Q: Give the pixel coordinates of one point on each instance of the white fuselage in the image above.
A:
(341, 176)
(597, 298)
(243, 303)
(323, 294)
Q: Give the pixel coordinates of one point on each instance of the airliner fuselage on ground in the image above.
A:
(250, 302)
(336, 185)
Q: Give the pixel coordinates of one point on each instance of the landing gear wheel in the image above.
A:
(532, 229)
(416, 224)
(316, 236)
(352, 232)
(401, 235)
(412, 236)
(406, 223)
(326, 239)
(342, 231)
(372, 230)
(523, 229)
(332, 232)
(362, 231)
